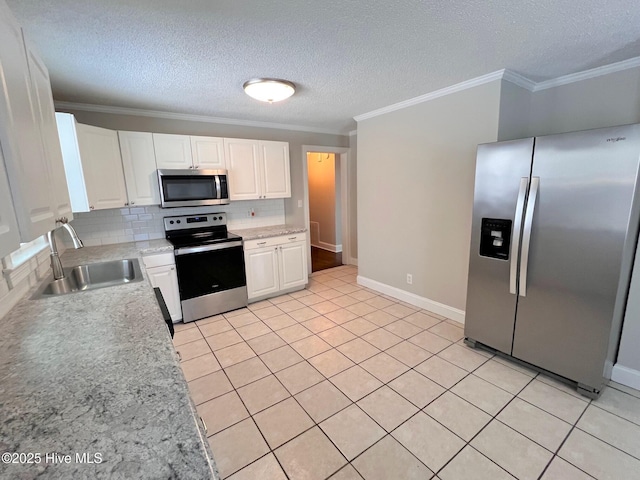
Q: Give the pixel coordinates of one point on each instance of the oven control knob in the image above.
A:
(177, 221)
(171, 222)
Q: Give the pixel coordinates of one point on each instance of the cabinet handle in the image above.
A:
(179, 355)
(90, 207)
(292, 238)
(196, 166)
(133, 203)
(261, 243)
(126, 204)
(190, 167)
(173, 268)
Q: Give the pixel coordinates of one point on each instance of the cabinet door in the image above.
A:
(275, 174)
(244, 170)
(262, 271)
(9, 235)
(166, 279)
(46, 115)
(20, 136)
(102, 166)
(139, 164)
(172, 151)
(293, 265)
(208, 153)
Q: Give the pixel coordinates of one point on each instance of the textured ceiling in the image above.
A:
(348, 57)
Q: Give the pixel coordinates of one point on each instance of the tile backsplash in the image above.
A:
(104, 227)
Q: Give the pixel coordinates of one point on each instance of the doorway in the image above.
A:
(325, 211)
(343, 163)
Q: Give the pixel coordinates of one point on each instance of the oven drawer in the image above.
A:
(274, 241)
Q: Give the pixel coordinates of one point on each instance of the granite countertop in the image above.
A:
(270, 231)
(96, 373)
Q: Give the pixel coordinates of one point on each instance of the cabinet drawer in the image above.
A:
(158, 260)
(274, 241)
(262, 243)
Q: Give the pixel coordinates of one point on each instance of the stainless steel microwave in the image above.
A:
(193, 188)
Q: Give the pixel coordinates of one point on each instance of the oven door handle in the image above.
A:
(207, 248)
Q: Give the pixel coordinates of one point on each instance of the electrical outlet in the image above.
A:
(409, 279)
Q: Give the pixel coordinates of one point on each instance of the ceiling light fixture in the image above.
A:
(269, 89)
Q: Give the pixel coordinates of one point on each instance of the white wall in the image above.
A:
(416, 169)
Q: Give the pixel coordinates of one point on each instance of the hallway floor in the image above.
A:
(337, 381)
(323, 259)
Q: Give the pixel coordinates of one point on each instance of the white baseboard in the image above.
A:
(353, 261)
(626, 376)
(413, 299)
(327, 246)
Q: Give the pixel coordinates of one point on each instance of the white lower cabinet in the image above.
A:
(275, 265)
(161, 270)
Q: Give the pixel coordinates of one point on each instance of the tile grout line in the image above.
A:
(380, 350)
(555, 454)
(250, 414)
(293, 396)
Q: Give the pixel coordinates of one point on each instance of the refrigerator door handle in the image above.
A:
(517, 226)
(526, 236)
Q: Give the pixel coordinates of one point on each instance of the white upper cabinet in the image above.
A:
(102, 165)
(172, 151)
(139, 164)
(92, 164)
(22, 148)
(243, 164)
(276, 177)
(46, 115)
(208, 153)
(257, 169)
(186, 152)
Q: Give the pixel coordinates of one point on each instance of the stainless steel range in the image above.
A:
(210, 264)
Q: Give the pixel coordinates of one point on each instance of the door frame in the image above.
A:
(344, 153)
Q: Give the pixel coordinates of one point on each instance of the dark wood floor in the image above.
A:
(322, 259)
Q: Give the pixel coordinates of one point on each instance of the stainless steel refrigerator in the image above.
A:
(554, 234)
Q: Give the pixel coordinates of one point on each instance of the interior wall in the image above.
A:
(604, 101)
(294, 214)
(322, 198)
(352, 188)
(416, 169)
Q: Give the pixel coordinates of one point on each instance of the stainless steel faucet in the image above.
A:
(56, 266)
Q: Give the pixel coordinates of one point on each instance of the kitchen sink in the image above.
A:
(93, 276)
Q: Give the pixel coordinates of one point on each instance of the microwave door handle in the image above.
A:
(517, 226)
(218, 187)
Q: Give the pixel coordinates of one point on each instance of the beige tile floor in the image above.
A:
(337, 381)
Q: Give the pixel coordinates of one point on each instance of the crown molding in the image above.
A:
(458, 87)
(587, 74)
(87, 107)
(509, 76)
(519, 80)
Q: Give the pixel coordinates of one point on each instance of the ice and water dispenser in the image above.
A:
(495, 238)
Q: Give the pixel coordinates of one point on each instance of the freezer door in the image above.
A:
(579, 226)
(502, 178)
